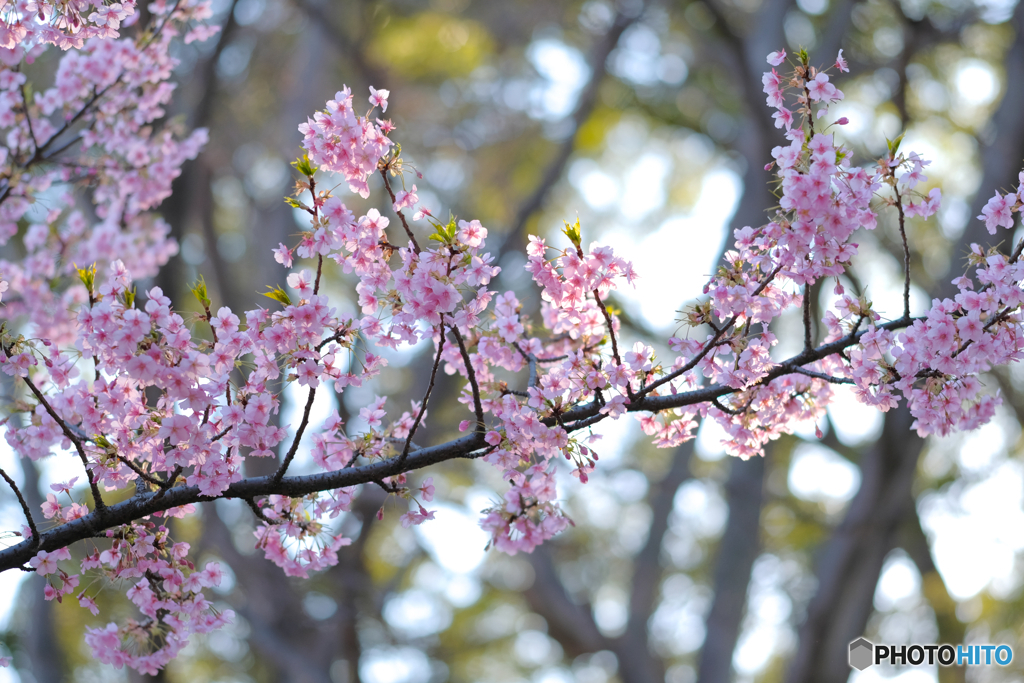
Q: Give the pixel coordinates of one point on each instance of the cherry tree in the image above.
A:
(160, 409)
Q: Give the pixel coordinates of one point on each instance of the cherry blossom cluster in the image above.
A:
(165, 587)
(340, 141)
(93, 127)
(61, 23)
(169, 406)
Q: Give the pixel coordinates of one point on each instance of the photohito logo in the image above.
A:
(864, 653)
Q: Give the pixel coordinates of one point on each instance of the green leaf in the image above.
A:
(88, 276)
(128, 298)
(278, 294)
(573, 232)
(304, 166)
(894, 145)
(199, 291)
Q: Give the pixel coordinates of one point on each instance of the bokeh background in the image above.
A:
(646, 120)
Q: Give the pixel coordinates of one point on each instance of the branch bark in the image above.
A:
(468, 446)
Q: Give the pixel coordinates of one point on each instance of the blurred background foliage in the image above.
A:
(646, 120)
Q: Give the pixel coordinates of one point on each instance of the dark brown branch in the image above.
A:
(426, 397)
(531, 361)
(73, 438)
(478, 406)
(298, 437)
(906, 254)
(469, 446)
(808, 341)
(611, 331)
(24, 506)
(401, 216)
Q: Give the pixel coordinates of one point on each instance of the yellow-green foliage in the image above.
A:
(431, 45)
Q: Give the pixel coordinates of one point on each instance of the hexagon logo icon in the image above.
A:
(861, 654)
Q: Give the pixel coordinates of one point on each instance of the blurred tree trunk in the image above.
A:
(739, 547)
(851, 560)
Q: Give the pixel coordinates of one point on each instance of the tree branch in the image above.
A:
(73, 438)
(632, 647)
(426, 396)
(906, 253)
(478, 406)
(401, 216)
(298, 436)
(468, 446)
(24, 505)
(737, 551)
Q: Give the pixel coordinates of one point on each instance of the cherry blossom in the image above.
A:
(140, 400)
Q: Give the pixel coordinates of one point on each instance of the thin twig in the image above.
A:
(28, 119)
(408, 231)
(171, 479)
(24, 506)
(531, 360)
(478, 406)
(256, 510)
(906, 254)
(721, 406)
(426, 397)
(222, 434)
(710, 345)
(298, 437)
(145, 476)
(97, 497)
